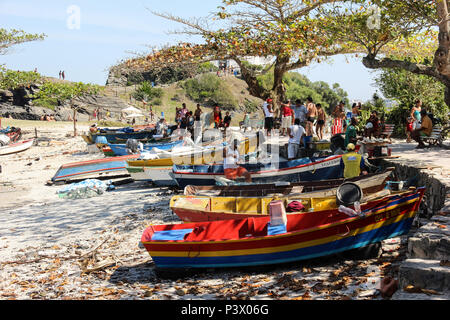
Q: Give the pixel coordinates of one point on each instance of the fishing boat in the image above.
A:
(243, 204)
(14, 134)
(121, 149)
(159, 170)
(16, 147)
(258, 241)
(298, 170)
(100, 168)
(370, 183)
(119, 135)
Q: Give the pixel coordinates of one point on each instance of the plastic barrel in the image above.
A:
(349, 193)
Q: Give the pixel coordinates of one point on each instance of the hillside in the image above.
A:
(19, 103)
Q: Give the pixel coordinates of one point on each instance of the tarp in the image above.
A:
(131, 110)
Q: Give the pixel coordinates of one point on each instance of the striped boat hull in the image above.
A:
(289, 171)
(235, 243)
(107, 167)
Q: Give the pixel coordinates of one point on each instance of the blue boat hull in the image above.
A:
(290, 171)
(121, 149)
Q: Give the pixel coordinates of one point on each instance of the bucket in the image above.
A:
(348, 193)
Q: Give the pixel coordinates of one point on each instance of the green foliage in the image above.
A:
(145, 92)
(300, 87)
(52, 93)
(12, 80)
(9, 38)
(170, 75)
(405, 88)
(208, 88)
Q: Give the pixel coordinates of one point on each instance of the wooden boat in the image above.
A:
(117, 135)
(305, 169)
(204, 208)
(159, 170)
(242, 203)
(16, 147)
(107, 167)
(14, 134)
(370, 183)
(253, 241)
(121, 149)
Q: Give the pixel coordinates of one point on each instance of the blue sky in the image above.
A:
(111, 30)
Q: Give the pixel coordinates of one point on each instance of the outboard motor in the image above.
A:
(132, 146)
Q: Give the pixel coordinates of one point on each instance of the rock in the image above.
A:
(432, 241)
(424, 274)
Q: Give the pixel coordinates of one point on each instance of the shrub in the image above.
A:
(208, 88)
(11, 80)
(145, 92)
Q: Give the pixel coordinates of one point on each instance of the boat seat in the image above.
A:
(171, 235)
(276, 230)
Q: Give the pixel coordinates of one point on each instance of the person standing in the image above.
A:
(60, 74)
(287, 117)
(296, 135)
(311, 115)
(352, 163)
(217, 116)
(198, 113)
(63, 75)
(184, 110)
(321, 120)
(339, 116)
(300, 112)
(416, 110)
(351, 134)
(268, 114)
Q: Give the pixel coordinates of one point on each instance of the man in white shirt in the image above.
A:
(268, 114)
(230, 164)
(300, 112)
(296, 134)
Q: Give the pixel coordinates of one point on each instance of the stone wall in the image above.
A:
(437, 186)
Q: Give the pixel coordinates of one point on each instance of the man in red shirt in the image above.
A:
(287, 117)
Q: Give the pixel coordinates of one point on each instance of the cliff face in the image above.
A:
(18, 104)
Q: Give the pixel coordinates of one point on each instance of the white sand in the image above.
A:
(39, 231)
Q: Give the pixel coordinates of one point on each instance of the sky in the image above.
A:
(85, 38)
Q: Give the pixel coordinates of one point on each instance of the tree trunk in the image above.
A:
(278, 87)
(75, 122)
(442, 57)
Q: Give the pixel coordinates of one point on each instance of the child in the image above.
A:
(409, 129)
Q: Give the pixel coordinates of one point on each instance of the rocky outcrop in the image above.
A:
(18, 104)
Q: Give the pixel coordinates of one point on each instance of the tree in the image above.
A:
(291, 33)
(14, 37)
(67, 92)
(402, 34)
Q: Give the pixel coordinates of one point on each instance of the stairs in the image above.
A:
(425, 275)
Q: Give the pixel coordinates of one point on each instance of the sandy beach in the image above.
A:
(53, 248)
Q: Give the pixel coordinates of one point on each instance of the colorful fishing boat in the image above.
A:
(198, 208)
(121, 149)
(305, 169)
(255, 241)
(100, 168)
(118, 135)
(16, 147)
(159, 170)
(370, 183)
